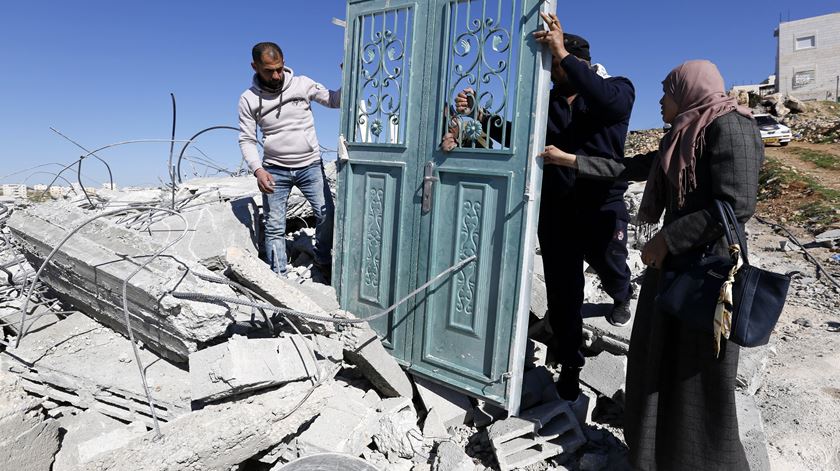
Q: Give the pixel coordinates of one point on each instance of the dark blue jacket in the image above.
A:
(595, 124)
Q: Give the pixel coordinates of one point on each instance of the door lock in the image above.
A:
(429, 180)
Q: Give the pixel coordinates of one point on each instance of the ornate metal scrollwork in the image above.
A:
(479, 57)
(382, 81)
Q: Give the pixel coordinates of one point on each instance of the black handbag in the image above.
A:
(690, 292)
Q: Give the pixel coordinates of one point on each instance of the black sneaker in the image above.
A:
(620, 314)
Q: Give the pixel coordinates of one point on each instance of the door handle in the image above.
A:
(429, 180)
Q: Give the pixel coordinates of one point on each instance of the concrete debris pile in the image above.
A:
(229, 386)
(642, 142)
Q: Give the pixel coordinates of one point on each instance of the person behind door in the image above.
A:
(278, 101)
(680, 409)
(580, 219)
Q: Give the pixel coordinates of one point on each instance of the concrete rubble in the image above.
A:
(89, 269)
(229, 392)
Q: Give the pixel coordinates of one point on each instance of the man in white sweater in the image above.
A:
(279, 103)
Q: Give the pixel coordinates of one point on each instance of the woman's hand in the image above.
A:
(655, 251)
(554, 156)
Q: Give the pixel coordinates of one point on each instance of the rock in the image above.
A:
(831, 237)
(803, 322)
(779, 110)
(364, 349)
(433, 427)
(795, 105)
(242, 364)
(451, 457)
(345, 425)
(452, 407)
(751, 365)
(398, 432)
(605, 373)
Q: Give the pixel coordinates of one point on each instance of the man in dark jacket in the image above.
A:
(582, 219)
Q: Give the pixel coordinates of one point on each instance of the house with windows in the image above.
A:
(808, 58)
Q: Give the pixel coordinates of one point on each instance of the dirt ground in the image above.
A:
(800, 396)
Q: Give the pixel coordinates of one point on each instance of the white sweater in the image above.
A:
(286, 121)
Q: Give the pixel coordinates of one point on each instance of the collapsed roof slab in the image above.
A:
(81, 362)
(89, 269)
(220, 436)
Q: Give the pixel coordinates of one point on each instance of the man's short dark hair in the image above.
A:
(272, 49)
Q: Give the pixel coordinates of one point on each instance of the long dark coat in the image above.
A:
(680, 400)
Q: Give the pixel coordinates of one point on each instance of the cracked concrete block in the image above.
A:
(605, 373)
(220, 436)
(542, 432)
(108, 441)
(78, 429)
(344, 425)
(212, 229)
(751, 431)
(539, 296)
(451, 457)
(257, 275)
(452, 407)
(81, 362)
(364, 349)
(89, 269)
(27, 439)
(242, 364)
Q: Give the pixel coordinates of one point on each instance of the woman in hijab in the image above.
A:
(680, 392)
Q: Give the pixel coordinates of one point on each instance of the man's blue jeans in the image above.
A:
(312, 182)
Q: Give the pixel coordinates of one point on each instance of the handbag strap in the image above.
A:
(728, 220)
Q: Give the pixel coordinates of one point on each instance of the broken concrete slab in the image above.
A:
(78, 429)
(28, 440)
(751, 431)
(451, 457)
(364, 349)
(605, 373)
(220, 436)
(326, 461)
(212, 228)
(257, 275)
(452, 407)
(81, 362)
(344, 425)
(89, 269)
(242, 364)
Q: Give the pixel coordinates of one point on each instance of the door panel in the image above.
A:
(408, 62)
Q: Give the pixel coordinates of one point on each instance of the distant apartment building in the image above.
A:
(58, 191)
(808, 58)
(14, 190)
(39, 188)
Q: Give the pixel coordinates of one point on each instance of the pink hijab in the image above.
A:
(697, 88)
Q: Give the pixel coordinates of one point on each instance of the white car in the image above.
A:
(772, 132)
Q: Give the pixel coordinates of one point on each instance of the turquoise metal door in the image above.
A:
(408, 210)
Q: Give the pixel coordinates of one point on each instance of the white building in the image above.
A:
(39, 188)
(14, 190)
(808, 58)
(58, 191)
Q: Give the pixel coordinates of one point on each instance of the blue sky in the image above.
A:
(101, 71)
